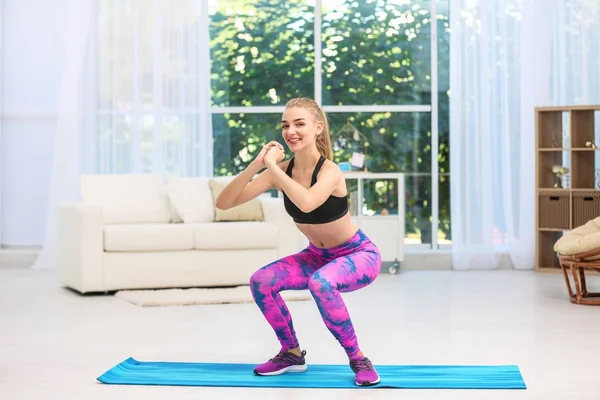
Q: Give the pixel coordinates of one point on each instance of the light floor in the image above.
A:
(54, 343)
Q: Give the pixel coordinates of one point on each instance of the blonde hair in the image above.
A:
(323, 140)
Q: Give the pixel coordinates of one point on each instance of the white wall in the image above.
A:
(29, 76)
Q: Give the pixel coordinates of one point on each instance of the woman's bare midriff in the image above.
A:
(330, 234)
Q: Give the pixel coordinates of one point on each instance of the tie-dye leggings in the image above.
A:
(325, 272)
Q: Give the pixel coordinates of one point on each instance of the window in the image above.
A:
(375, 70)
(382, 69)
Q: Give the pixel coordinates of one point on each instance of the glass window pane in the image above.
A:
(444, 226)
(418, 209)
(381, 197)
(352, 188)
(376, 52)
(262, 52)
(397, 142)
(238, 138)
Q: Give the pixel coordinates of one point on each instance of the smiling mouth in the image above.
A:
(294, 141)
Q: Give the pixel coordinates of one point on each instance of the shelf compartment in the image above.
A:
(554, 209)
(583, 169)
(546, 178)
(550, 125)
(586, 206)
(582, 127)
(546, 257)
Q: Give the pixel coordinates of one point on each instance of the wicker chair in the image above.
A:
(578, 251)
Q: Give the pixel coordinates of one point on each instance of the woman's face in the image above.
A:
(299, 128)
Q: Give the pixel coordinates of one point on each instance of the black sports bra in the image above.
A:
(332, 209)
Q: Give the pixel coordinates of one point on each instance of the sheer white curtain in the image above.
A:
(134, 97)
(576, 53)
(507, 57)
(153, 88)
(499, 58)
(70, 121)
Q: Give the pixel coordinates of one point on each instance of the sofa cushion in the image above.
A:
(191, 199)
(127, 198)
(148, 237)
(249, 211)
(234, 235)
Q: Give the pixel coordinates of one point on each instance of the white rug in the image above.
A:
(198, 296)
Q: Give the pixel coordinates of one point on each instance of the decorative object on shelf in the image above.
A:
(358, 160)
(559, 171)
(344, 166)
(385, 212)
(590, 143)
(351, 139)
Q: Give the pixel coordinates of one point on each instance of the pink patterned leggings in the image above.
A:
(325, 272)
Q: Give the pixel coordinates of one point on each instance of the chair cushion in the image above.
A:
(582, 239)
(148, 237)
(234, 235)
(127, 198)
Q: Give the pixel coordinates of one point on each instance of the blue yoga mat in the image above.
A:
(132, 372)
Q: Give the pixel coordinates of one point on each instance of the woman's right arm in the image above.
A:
(242, 188)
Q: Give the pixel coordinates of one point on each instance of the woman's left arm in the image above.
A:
(306, 199)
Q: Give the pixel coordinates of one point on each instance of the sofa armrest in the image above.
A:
(80, 246)
(288, 235)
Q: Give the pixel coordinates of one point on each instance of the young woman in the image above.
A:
(339, 257)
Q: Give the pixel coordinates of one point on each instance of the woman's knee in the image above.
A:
(318, 283)
(259, 278)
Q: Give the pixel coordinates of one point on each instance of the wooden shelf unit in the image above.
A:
(559, 210)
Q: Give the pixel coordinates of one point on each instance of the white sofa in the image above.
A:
(138, 231)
